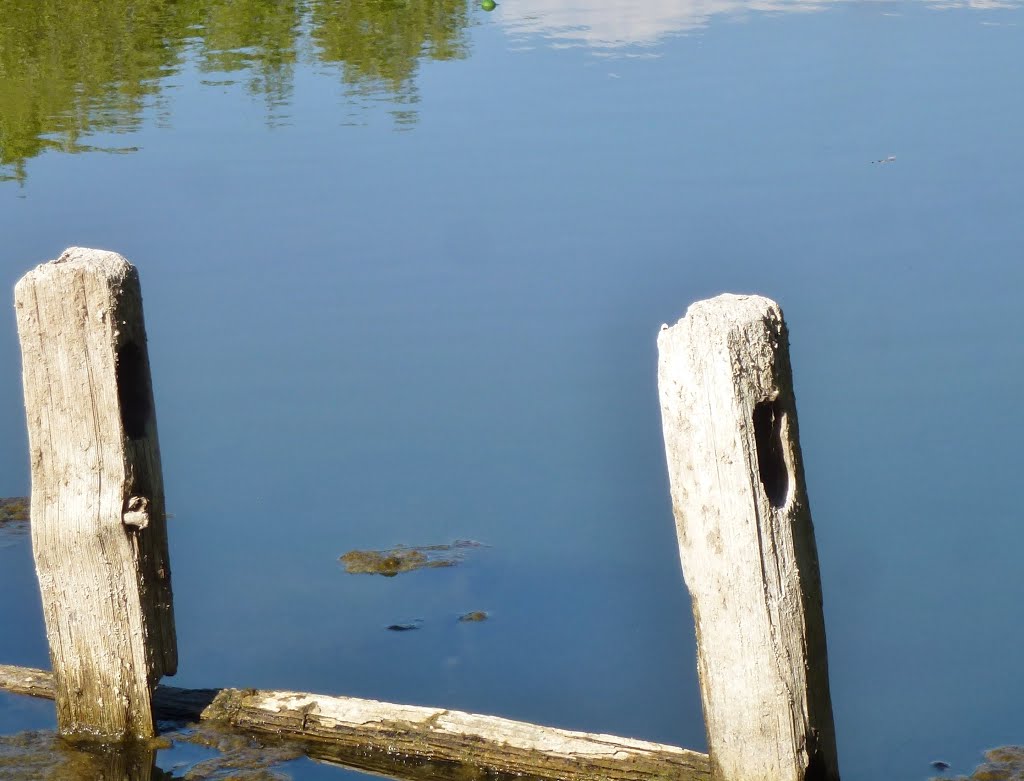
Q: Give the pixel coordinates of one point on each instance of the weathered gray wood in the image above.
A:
(746, 541)
(482, 741)
(26, 680)
(402, 740)
(98, 527)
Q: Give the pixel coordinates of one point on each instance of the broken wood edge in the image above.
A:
(409, 741)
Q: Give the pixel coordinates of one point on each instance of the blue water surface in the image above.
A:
(377, 320)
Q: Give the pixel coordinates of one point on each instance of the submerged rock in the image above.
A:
(43, 756)
(473, 616)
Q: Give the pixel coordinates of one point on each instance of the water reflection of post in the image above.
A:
(42, 756)
(126, 762)
(98, 528)
(746, 541)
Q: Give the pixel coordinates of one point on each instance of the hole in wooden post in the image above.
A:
(133, 391)
(771, 461)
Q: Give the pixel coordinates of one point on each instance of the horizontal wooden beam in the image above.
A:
(401, 740)
(26, 680)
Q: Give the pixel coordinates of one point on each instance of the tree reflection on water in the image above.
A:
(71, 68)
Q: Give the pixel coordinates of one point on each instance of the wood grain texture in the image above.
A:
(26, 680)
(486, 742)
(409, 741)
(746, 541)
(98, 527)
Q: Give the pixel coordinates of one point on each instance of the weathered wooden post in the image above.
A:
(98, 527)
(746, 541)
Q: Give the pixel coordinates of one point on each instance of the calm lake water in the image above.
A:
(404, 267)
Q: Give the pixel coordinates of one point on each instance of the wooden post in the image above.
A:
(98, 527)
(746, 541)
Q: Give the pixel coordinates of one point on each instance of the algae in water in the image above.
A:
(44, 756)
(404, 558)
(14, 509)
(13, 519)
(1001, 764)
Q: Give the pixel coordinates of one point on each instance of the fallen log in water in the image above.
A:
(406, 740)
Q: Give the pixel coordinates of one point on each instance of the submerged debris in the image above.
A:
(43, 756)
(403, 558)
(406, 627)
(240, 757)
(13, 521)
(14, 508)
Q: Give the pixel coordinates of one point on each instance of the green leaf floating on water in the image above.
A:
(404, 558)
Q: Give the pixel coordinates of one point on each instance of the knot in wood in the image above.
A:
(136, 514)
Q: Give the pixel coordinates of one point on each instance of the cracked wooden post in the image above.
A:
(98, 528)
(746, 541)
